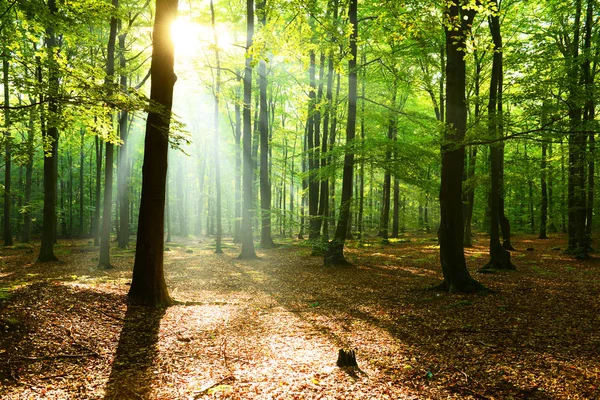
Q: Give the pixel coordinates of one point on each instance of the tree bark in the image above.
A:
(499, 257)
(50, 137)
(8, 235)
(248, 165)
(334, 255)
(123, 172)
(104, 259)
(148, 285)
(451, 232)
(266, 239)
(544, 188)
(217, 94)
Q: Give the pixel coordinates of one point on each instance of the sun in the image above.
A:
(187, 37)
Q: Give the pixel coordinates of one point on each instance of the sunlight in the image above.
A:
(186, 36)
(190, 37)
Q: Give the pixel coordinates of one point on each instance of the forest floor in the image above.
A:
(271, 328)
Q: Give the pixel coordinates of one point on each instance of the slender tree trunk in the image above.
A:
(313, 161)
(577, 143)
(499, 257)
(248, 172)
(266, 240)
(451, 231)
(396, 212)
(217, 95)
(589, 116)
(238, 171)
(148, 284)
(98, 199)
(28, 180)
(123, 172)
(544, 203)
(8, 236)
(50, 136)
(387, 179)
(550, 179)
(81, 183)
(334, 254)
(104, 260)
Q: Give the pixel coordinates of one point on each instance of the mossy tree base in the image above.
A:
(334, 255)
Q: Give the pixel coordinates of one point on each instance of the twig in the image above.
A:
(203, 391)
(57, 356)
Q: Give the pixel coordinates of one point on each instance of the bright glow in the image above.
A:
(191, 38)
(187, 36)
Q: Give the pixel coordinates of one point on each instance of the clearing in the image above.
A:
(272, 328)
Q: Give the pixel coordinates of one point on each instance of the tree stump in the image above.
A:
(346, 358)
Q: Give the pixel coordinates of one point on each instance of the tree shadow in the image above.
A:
(132, 368)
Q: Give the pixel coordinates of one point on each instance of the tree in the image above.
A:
(458, 20)
(217, 94)
(148, 285)
(499, 257)
(8, 235)
(266, 240)
(50, 139)
(334, 254)
(104, 259)
(247, 175)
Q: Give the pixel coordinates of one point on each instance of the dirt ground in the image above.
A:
(271, 328)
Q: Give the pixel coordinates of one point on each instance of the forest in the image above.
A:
(299, 199)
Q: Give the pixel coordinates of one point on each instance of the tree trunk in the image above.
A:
(499, 257)
(577, 142)
(238, 171)
(8, 236)
(334, 255)
(98, 201)
(123, 172)
(451, 231)
(248, 172)
(104, 260)
(589, 116)
(387, 179)
(29, 181)
(50, 136)
(217, 93)
(148, 284)
(266, 240)
(544, 203)
(313, 161)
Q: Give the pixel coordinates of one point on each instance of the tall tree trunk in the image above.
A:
(387, 179)
(217, 94)
(50, 136)
(589, 115)
(266, 240)
(313, 161)
(238, 170)
(81, 183)
(123, 172)
(28, 180)
(148, 284)
(324, 192)
(544, 203)
(550, 179)
(104, 260)
(451, 231)
(396, 212)
(8, 236)
(98, 199)
(248, 172)
(577, 141)
(499, 257)
(334, 254)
